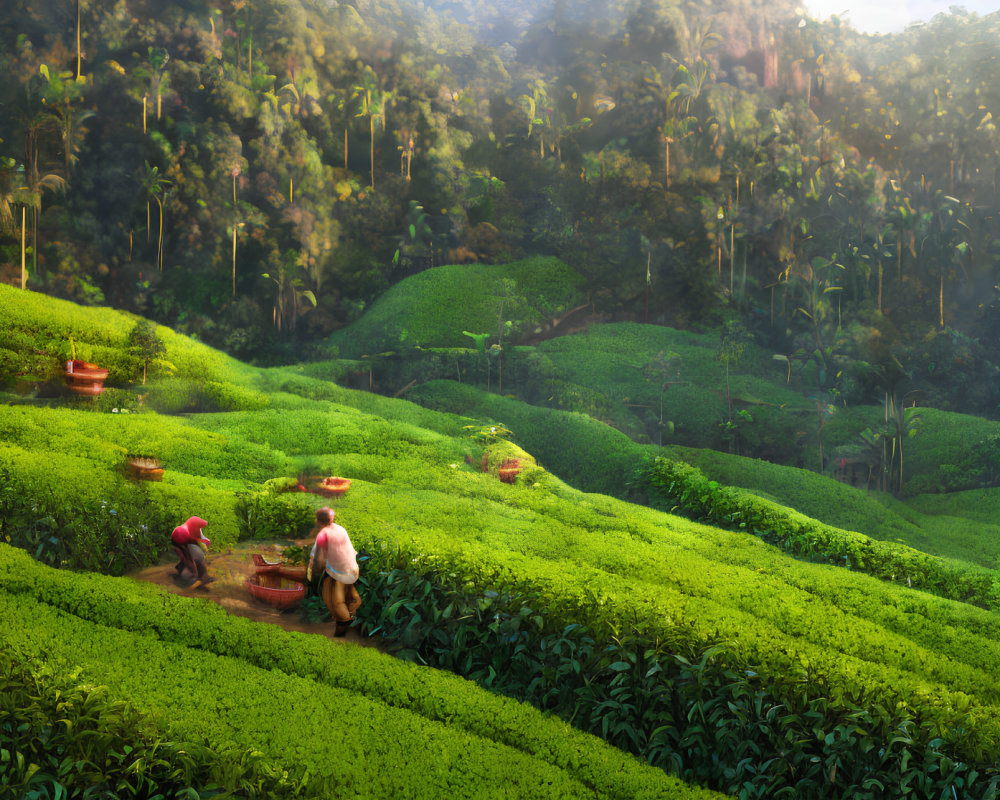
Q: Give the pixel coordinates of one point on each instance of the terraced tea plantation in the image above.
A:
(605, 648)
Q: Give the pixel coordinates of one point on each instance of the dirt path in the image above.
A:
(230, 569)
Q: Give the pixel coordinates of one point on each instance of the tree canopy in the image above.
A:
(256, 172)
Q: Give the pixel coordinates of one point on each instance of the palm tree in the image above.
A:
(236, 228)
(902, 423)
(153, 186)
(12, 195)
(374, 104)
(8, 201)
(62, 94)
(158, 58)
(290, 292)
(36, 120)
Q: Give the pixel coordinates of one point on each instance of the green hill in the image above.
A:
(436, 307)
(572, 601)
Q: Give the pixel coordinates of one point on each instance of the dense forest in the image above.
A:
(255, 172)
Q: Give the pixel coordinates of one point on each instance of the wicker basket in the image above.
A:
(333, 487)
(144, 468)
(262, 565)
(83, 377)
(281, 593)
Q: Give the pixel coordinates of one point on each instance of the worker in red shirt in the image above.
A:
(191, 545)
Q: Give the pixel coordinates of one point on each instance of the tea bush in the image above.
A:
(274, 515)
(44, 332)
(677, 486)
(808, 492)
(955, 525)
(580, 450)
(121, 532)
(696, 714)
(294, 391)
(703, 584)
(219, 396)
(64, 736)
(951, 452)
(59, 484)
(410, 731)
(178, 442)
(434, 307)
(374, 757)
(185, 395)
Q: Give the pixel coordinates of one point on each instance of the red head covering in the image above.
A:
(190, 532)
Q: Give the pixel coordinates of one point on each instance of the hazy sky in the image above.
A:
(887, 16)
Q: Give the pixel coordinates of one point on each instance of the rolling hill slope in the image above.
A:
(674, 612)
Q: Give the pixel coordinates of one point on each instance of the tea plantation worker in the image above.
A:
(333, 546)
(191, 545)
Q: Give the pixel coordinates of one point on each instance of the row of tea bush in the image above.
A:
(62, 735)
(681, 488)
(346, 719)
(701, 714)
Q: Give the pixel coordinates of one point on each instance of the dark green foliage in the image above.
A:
(951, 452)
(122, 532)
(700, 715)
(274, 515)
(63, 736)
(681, 488)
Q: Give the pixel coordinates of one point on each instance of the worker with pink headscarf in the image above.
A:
(340, 559)
(191, 545)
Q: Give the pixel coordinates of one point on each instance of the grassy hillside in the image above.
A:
(631, 601)
(599, 458)
(206, 676)
(434, 308)
(657, 384)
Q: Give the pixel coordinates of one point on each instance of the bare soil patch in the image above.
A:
(230, 569)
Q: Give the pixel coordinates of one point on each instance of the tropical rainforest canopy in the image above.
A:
(256, 172)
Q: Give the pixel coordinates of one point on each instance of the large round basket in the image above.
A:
(281, 593)
(144, 468)
(333, 487)
(85, 378)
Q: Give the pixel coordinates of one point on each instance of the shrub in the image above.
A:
(701, 715)
(679, 487)
(275, 515)
(182, 395)
(122, 532)
(172, 395)
(65, 737)
(216, 396)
